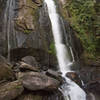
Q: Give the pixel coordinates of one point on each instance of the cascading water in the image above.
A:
(8, 28)
(70, 90)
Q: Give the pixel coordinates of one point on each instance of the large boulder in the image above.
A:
(39, 81)
(30, 60)
(11, 90)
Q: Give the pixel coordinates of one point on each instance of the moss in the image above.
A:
(52, 49)
(26, 31)
(18, 86)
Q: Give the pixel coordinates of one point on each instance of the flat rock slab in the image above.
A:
(25, 66)
(38, 81)
(11, 90)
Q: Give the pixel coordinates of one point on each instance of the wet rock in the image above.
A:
(54, 74)
(11, 90)
(38, 81)
(6, 72)
(74, 77)
(24, 67)
(90, 73)
(94, 86)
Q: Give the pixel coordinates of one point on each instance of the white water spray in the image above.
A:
(71, 91)
(8, 22)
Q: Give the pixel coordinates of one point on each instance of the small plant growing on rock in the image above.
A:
(26, 31)
(52, 49)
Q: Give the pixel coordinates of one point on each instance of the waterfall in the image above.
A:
(70, 89)
(8, 28)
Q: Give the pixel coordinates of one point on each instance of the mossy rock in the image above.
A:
(6, 72)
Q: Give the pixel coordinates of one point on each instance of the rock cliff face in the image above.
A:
(26, 30)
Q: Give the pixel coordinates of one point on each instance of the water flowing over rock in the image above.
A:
(74, 77)
(74, 92)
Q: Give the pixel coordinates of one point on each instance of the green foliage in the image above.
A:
(26, 31)
(18, 87)
(82, 20)
(52, 49)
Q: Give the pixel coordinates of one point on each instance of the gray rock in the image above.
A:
(25, 66)
(11, 90)
(39, 81)
(94, 86)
